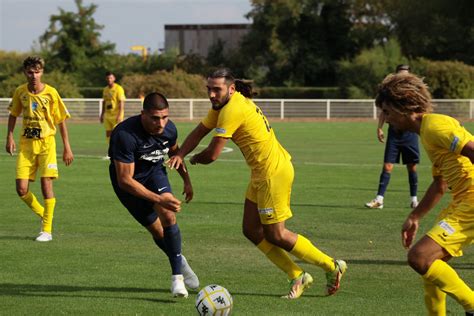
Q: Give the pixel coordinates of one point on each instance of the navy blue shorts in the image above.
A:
(403, 144)
(142, 210)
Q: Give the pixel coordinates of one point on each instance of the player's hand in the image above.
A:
(380, 135)
(175, 162)
(101, 118)
(409, 229)
(10, 147)
(68, 157)
(169, 202)
(188, 192)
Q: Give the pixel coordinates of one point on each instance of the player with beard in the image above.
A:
(267, 202)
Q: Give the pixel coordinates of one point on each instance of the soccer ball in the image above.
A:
(214, 300)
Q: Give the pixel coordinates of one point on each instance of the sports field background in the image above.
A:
(101, 262)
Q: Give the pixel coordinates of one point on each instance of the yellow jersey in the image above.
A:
(242, 121)
(443, 138)
(41, 112)
(112, 97)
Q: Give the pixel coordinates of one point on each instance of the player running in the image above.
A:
(137, 149)
(267, 203)
(406, 103)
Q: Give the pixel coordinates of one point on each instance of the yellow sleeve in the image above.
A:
(210, 120)
(229, 120)
(453, 138)
(60, 111)
(121, 94)
(15, 106)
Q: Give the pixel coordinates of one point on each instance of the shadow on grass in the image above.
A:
(16, 238)
(10, 289)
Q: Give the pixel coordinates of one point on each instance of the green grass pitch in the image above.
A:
(101, 262)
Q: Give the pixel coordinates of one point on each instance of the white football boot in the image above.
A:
(190, 278)
(44, 237)
(177, 286)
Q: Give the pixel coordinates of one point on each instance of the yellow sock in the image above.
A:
(32, 202)
(280, 258)
(306, 251)
(48, 215)
(435, 299)
(448, 281)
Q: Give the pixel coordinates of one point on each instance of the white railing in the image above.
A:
(300, 109)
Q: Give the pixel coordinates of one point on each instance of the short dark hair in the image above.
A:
(402, 67)
(241, 85)
(109, 73)
(33, 61)
(156, 101)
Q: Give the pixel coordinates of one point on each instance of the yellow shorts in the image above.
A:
(110, 121)
(273, 195)
(455, 227)
(34, 155)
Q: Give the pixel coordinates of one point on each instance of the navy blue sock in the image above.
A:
(160, 242)
(383, 183)
(413, 179)
(172, 241)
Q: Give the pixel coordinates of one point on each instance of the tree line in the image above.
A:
(342, 47)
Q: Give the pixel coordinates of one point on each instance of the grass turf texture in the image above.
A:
(102, 262)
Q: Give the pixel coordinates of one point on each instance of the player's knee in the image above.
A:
(388, 167)
(254, 235)
(21, 191)
(275, 237)
(417, 261)
(167, 218)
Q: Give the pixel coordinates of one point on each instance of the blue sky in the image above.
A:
(126, 22)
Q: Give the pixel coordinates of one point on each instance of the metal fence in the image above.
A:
(298, 109)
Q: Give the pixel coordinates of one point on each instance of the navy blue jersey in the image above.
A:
(130, 143)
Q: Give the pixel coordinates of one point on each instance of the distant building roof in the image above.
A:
(199, 38)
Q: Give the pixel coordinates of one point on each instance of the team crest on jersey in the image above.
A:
(34, 106)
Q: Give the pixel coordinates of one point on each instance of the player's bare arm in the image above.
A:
(121, 107)
(101, 117)
(127, 183)
(10, 146)
(432, 196)
(380, 135)
(188, 146)
(68, 156)
(468, 151)
(211, 153)
(187, 186)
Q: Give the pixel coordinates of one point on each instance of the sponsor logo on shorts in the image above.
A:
(220, 130)
(52, 166)
(447, 228)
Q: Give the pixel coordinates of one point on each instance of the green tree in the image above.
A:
(297, 42)
(72, 43)
(359, 77)
(435, 29)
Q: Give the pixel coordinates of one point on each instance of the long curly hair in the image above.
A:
(405, 93)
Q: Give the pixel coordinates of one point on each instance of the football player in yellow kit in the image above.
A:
(267, 203)
(112, 104)
(406, 104)
(42, 109)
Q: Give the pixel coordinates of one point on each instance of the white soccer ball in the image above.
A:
(214, 300)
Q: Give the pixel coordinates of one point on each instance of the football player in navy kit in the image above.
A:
(137, 151)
